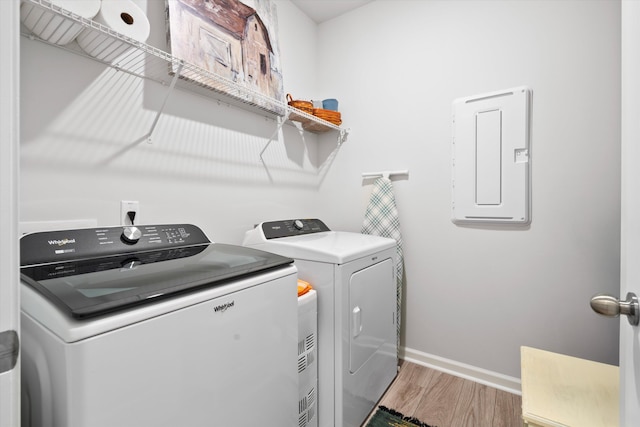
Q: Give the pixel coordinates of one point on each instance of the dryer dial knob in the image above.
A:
(298, 224)
(131, 235)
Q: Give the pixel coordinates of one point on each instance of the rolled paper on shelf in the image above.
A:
(122, 16)
(54, 28)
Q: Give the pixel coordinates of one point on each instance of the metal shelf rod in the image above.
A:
(281, 121)
(164, 103)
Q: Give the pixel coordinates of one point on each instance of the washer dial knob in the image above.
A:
(298, 224)
(131, 235)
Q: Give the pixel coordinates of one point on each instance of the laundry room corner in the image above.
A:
(476, 293)
(95, 134)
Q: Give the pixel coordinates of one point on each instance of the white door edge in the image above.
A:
(9, 161)
(630, 212)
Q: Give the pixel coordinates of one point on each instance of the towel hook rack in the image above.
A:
(385, 174)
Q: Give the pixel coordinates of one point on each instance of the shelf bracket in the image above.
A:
(342, 136)
(281, 120)
(176, 75)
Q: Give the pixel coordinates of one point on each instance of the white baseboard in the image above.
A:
(479, 375)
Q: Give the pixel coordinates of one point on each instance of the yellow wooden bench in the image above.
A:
(561, 391)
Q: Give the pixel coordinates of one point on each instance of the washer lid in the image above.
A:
(95, 286)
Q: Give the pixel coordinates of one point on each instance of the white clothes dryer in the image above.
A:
(354, 276)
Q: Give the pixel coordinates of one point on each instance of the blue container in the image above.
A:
(330, 104)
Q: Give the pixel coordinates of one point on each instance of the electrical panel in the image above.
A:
(491, 158)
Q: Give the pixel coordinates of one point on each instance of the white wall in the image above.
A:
(80, 157)
(474, 294)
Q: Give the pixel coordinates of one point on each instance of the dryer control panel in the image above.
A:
(292, 227)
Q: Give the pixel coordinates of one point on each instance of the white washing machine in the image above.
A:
(156, 326)
(354, 276)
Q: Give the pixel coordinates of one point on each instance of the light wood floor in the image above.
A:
(444, 400)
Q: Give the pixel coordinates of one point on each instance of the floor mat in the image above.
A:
(385, 417)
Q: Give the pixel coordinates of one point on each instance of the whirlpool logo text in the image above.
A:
(61, 242)
(223, 307)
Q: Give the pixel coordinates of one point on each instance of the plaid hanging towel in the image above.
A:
(381, 219)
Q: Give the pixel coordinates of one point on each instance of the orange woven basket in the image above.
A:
(329, 115)
(305, 106)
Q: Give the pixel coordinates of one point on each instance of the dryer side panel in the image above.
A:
(322, 277)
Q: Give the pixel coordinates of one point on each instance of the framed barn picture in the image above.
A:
(235, 42)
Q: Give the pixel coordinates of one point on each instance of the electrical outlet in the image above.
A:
(127, 206)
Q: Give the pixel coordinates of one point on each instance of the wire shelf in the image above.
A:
(151, 63)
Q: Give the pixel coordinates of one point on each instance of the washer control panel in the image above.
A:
(292, 227)
(64, 245)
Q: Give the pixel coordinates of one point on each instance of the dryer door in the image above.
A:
(371, 294)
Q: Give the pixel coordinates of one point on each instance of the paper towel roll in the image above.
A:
(54, 28)
(122, 16)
